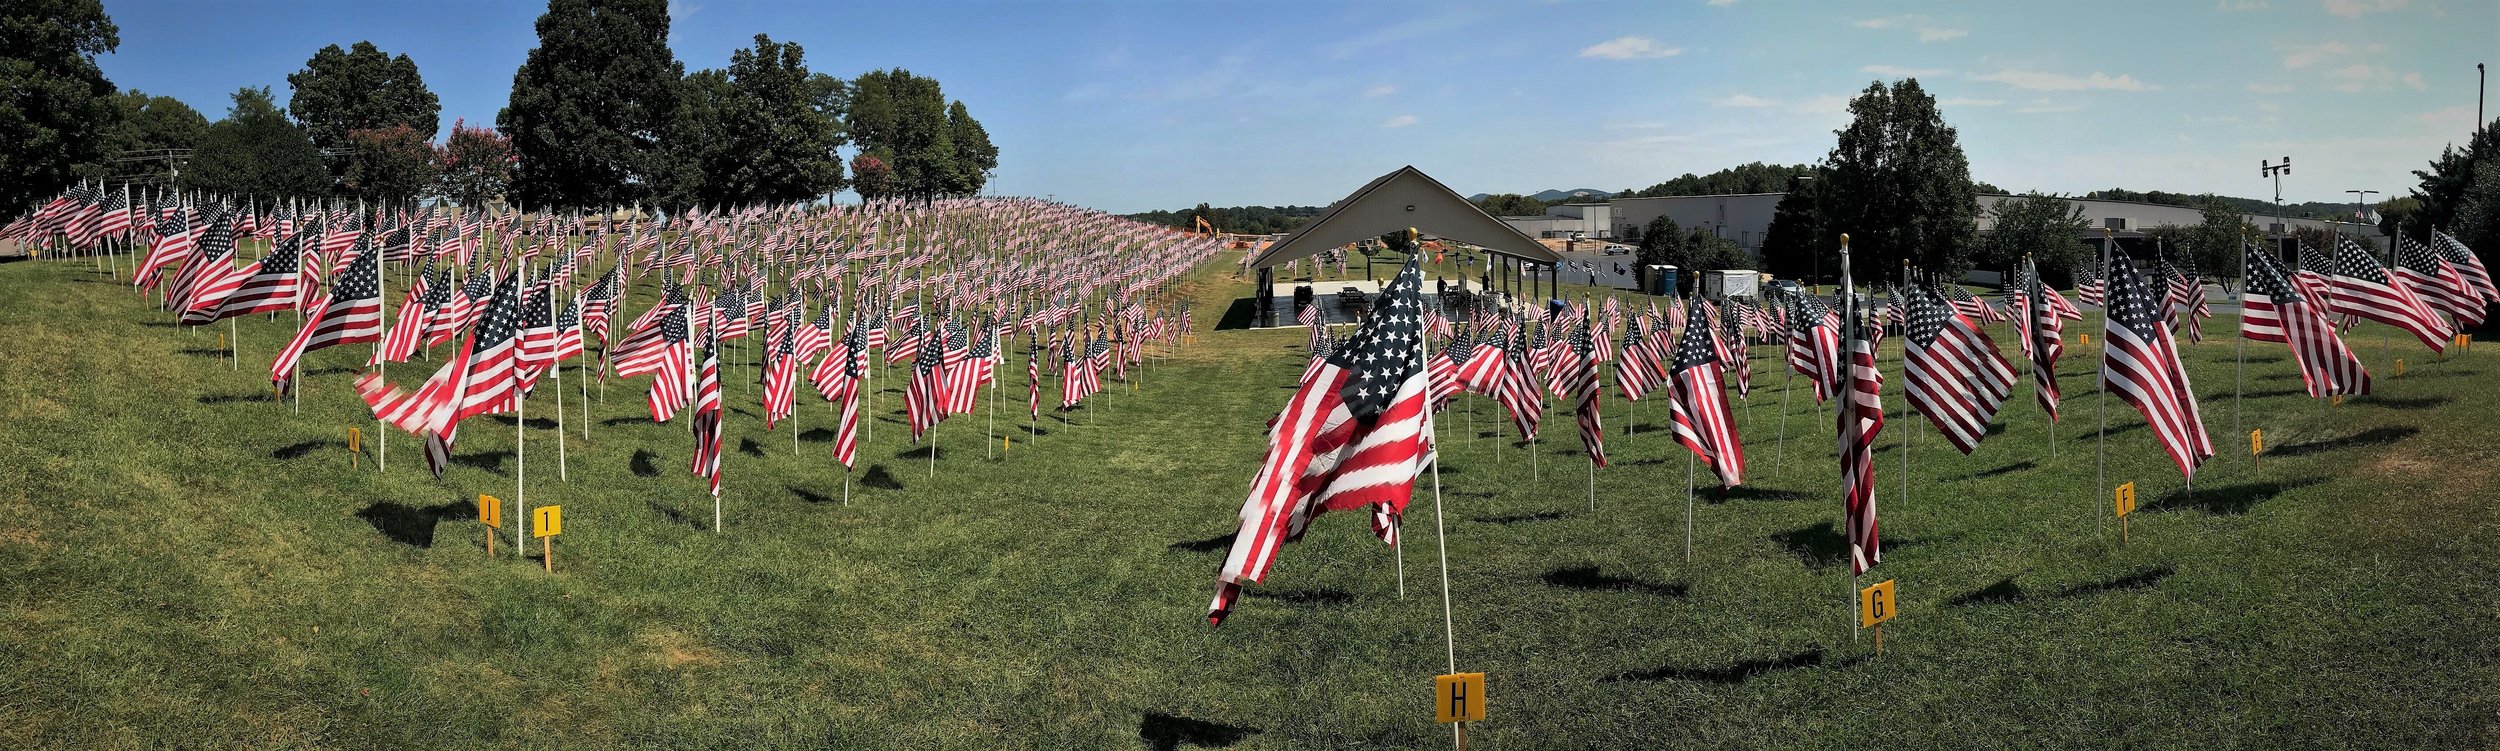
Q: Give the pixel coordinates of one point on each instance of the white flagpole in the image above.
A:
(2100, 464)
(1449, 632)
(555, 367)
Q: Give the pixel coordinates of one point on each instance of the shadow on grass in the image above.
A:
(301, 450)
(877, 477)
(1545, 516)
(408, 525)
(676, 516)
(535, 423)
(2263, 359)
(1209, 545)
(204, 352)
(2411, 402)
(2371, 437)
(817, 435)
(810, 496)
(262, 397)
(1323, 596)
(1817, 545)
(1643, 428)
(1587, 578)
(2004, 592)
(1164, 732)
(1735, 673)
(2144, 579)
(641, 463)
(330, 371)
(749, 447)
(2273, 393)
(1753, 493)
(491, 461)
(2002, 471)
(2228, 499)
(625, 422)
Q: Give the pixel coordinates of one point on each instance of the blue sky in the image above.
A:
(1129, 106)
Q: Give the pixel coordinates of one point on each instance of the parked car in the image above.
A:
(1784, 286)
(1618, 250)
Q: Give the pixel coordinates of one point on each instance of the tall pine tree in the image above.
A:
(591, 103)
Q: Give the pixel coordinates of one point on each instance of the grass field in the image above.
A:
(186, 564)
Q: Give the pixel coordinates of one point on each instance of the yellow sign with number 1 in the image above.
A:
(1458, 697)
(490, 513)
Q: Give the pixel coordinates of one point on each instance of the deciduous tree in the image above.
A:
(591, 103)
(55, 105)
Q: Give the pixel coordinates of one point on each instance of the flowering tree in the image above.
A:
(476, 165)
(871, 177)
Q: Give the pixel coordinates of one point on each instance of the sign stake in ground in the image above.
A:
(2126, 505)
(1458, 698)
(490, 513)
(1875, 606)
(545, 523)
(2256, 446)
(355, 446)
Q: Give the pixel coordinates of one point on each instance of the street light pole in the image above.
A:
(2276, 171)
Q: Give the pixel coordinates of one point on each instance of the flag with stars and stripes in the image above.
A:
(271, 284)
(1582, 385)
(1952, 370)
(707, 416)
(2275, 310)
(1698, 405)
(2141, 363)
(2438, 284)
(1352, 437)
(2477, 276)
(842, 378)
(924, 400)
(1861, 416)
(2363, 289)
(2044, 337)
(351, 313)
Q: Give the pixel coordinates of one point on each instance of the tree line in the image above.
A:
(601, 114)
(1252, 220)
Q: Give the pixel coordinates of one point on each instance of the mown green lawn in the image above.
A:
(184, 563)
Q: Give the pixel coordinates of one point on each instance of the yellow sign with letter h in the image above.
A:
(1458, 697)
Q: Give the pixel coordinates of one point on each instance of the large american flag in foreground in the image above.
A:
(2141, 363)
(1698, 406)
(1353, 436)
(2275, 310)
(1955, 375)
(1861, 417)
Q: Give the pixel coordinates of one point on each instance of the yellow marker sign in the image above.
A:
(2126, 499)
(1458, 697)
(2400, 367)
(2256, 442)
(489, 511)
(2087, 340)
(1875, 604)
(547, 521)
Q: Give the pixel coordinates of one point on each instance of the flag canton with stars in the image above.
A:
(1695, 349)
(1631, 334)
(217, 242)
(2413, 255)
(2352, 261)
(535, 314)
(2312, 259)
(2130, 303)
(284, 258)
(984, 347)
(438, 290)
(502, 318)
(1926, 317)
(1381, 355)
(2265, 279)
(363, 278)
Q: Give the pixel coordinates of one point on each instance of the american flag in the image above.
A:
(817, 336)
(1321, 349)
(351, 313)
(2141, 363)
(2477, 276)
(707, 417)
(2316, 275)
(401, 338)
(600, 303)
(1971, 305)
(1580, 379)
(840, 378)
(1814, 343)
(1736, 357)
(1518, 391)
(1073, 370)
(1033, 381)
(977, 368)
(1480, 363)
(1954, 373)
(489, 365)
(661, 352)
(781, 364)
(174, 242)
(271, 284)
(1861, 416)
(2088, 287)
(569, 331)
(2363, 289)
(925, 398)
(1353, 437)
(210, 276)
(2440, 286)
(1698, 404)
(2187, 298)
(1638, 370)
(2277, 311)
(2044, 335)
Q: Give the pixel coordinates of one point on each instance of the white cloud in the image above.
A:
(1932, 34)
(682, 9)
(1968, 102)
(1380, 91)
(1895, 71)
(1823, 105)
(1630, 48)
(2414, 80)
(2354, 8)
(1405, 31)
(2040, 81)
(1399, 121)
(2457, 119)
(2270, 88)
(2305, 55)
(2270, 106)
(1877, 23)
(2039, 106)
(2244, 5)
(1722, 3)
(1742, 100)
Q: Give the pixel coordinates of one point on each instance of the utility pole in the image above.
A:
(2478, 96)
(2276, 171)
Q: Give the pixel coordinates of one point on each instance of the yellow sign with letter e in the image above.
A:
(1458, 697)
